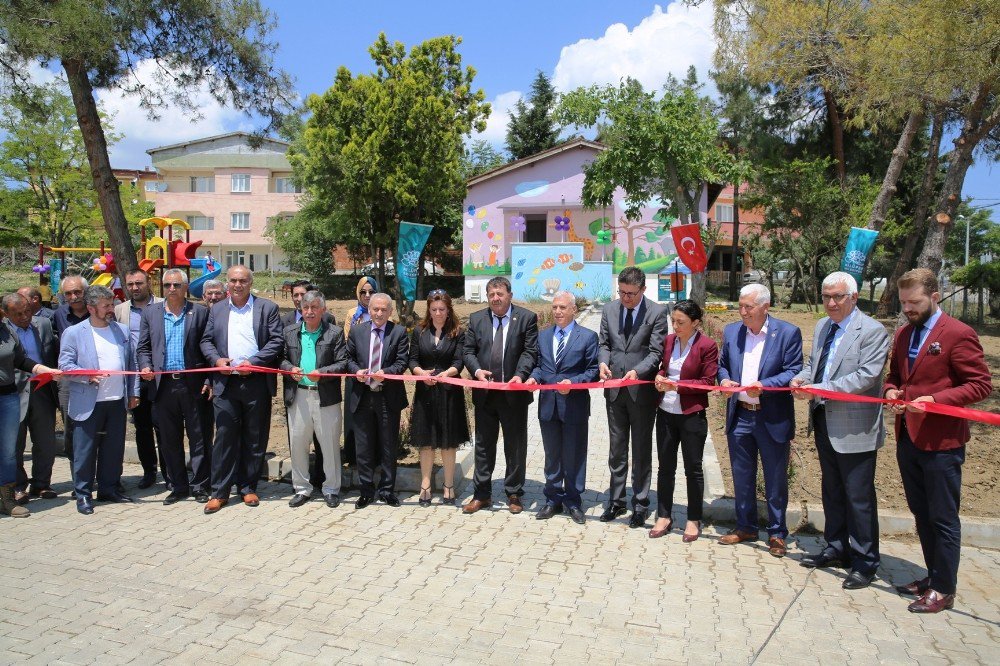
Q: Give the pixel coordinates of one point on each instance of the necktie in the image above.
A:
(560, 345)
(824, 357)
(627, 331)
(914, 345)
(375, 363)
(496, 351)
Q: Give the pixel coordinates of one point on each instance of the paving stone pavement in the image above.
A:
(148, 584)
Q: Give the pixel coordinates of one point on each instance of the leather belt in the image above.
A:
(173, 375)
(749, 406)
(308, 387)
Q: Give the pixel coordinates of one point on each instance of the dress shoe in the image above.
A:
(776, 546)
(44, 493)
(515, 504)
(916, 588)
(548, 511)
(737, 536)
(21, 497)
(858, 580)
(298, 499)
(576, 513)
(656, 534)
(332, 501)
(444, 496)
(115, 498)
(215, 504)
(174, 498)
(390, 499)
(363, 501)
(201, 497)
(638, 519)
(822, 560)
(612, 512)
(932, 602)
(476, 504)
(147, 481)
(688, 538)
(84, 505)
(251, 499)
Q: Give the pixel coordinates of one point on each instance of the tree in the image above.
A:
(481, 157)
(532, 129)
(193, 45)
(388, 146)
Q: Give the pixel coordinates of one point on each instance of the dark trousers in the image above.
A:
(565, 461)
(242, 427)
(40, 422)
(492, 415)
(688, 431)
(849, 502)
(99, 446)
(178, 410)
(629, 420)
(68, 424)
(145, 438)
(376, 438)
(932, 482)
(749, 439)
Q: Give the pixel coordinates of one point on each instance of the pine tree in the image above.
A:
(532, 129)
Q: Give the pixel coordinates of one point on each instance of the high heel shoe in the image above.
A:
(688, 538)
(425, 501)
(448, 500)
(656, 534)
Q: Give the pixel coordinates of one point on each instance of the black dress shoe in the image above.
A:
(638, 519)
(917, 588)
(822, 560)
(548, 511)
(115, 497)
(612, 512)
(363, 501)
(147, 481)
(577, 515)
(390, 499)
(85, 506)
(332, 501)
(201, 497)
(298, 499)
(174, 498)
(858, 580)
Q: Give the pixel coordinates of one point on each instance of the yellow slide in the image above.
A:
(103, 280)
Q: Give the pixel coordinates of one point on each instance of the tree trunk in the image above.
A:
(734, 282)
(836, 135)
(896, 164)
(105, 183)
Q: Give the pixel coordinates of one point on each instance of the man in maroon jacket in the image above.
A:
(935, 358)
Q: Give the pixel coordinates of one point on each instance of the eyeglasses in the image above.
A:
(73, 292)
(366, 292)
(629, 294)
(173, 285)
(836, 298)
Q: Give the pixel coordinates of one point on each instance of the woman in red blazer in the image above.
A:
(688, 355)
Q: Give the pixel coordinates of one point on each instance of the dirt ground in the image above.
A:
(981, 473)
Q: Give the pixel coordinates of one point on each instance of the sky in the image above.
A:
(576, 43)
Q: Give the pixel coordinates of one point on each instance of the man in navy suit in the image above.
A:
(567, 354)
(170, 341)
(762, 352)
(241, 330)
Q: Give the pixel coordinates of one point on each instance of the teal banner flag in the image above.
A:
(412, 238)
(859, 244)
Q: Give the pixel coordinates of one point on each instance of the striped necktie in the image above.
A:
(560, 345)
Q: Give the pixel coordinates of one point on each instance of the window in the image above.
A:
(286, 186)
(202, 183)
(723, 212)
(241, 182)
(201, 222)
(153, 186)
(239, 222)
(535, 231)
(235, 258)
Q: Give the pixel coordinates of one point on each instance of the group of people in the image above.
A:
(223, 406)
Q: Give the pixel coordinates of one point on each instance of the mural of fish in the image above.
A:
(536, 271)
(575, 266)
(548, 263)
(520, 262)
(519, 275)
(580, 284)
(532, 280)
(565, 258)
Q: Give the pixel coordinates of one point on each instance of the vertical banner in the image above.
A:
(412, 238)
(55, 275)
(859, 244)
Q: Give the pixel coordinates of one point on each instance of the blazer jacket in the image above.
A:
(701, 366)
(520, 352)
(123, 313)
(395, 356)
(77, 352)
(641, 351)
(45, 339)
(578, 364)
(331, 356)
(780, 362)
(853, 427)
(267, 331)
(151, 352)
(953, 373)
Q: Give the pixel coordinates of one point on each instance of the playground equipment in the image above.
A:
(49, 275)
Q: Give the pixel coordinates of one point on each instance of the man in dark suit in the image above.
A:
(501, 345)
(38, 406)
(567, 354)
(374, 349)
(935, 358)
(761, 352)
(241, 330)
(170, 341)
(631, 346)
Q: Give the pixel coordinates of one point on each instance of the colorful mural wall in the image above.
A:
(542, 269)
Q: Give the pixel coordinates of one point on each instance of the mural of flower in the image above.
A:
(517, 223)
(562, 223)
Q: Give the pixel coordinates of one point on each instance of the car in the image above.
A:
(390, 268)
(753, 276)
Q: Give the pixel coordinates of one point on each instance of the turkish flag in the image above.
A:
(687, 240)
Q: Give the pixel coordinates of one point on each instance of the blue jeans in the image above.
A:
(10, 420)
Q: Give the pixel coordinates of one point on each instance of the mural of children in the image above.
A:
(475, 256)
(492, 260)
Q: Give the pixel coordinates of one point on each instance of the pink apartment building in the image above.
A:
(229, 193)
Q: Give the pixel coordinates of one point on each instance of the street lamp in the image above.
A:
(965, 292)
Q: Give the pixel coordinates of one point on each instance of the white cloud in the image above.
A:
(665, 42)
(496, 124)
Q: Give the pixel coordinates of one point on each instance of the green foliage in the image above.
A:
(984, 236)
(481, 157)
(978, 275)
(532, 129)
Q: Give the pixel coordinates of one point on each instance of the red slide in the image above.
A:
(150, 264)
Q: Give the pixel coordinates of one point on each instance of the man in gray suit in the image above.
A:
(631, 346)
(848, 356)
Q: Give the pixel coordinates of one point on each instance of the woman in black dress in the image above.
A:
(438, 419)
